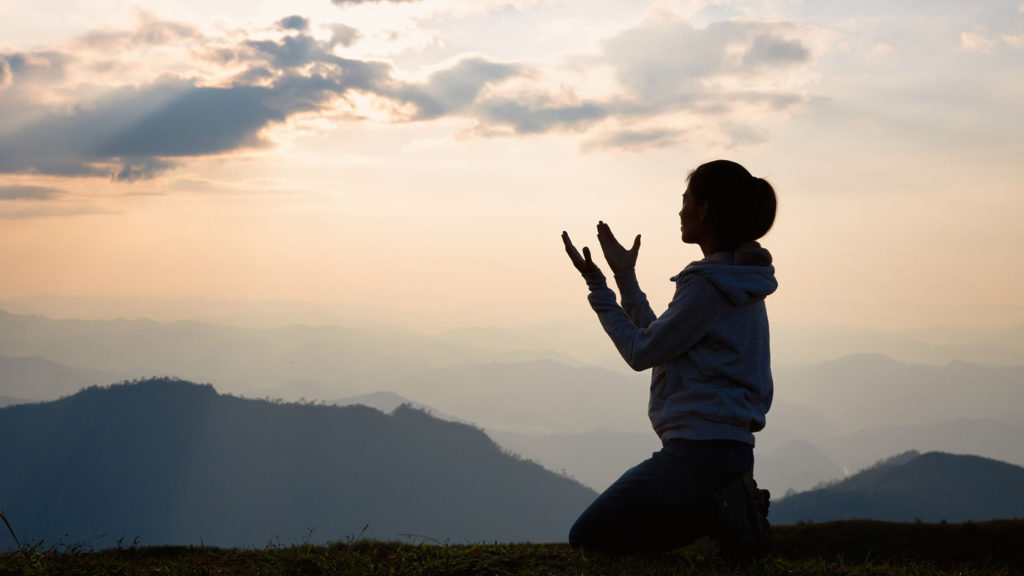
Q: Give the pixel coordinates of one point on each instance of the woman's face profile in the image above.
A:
(691, 218)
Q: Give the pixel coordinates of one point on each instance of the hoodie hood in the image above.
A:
(742, 276)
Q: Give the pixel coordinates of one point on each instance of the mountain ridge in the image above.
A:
(173, 462)
(908, 487)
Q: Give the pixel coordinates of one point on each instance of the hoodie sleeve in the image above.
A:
(634, 301)
(670, 335)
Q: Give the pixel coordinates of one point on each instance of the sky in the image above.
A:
(417, 161)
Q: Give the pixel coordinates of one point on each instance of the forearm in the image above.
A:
(634, 301)
(663, 338)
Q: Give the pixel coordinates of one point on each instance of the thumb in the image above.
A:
(636, 244)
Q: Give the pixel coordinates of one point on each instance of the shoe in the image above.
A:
(741, 519)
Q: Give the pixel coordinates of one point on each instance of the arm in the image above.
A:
(656, 340)
(667, 337)
(634, 301)
(623, 265)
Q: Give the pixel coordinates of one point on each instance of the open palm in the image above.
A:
(619, 259)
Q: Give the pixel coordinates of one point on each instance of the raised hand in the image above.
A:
(582, 263)
(619, 259)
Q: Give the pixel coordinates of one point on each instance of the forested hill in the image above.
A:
(171, 462)
(929, 487)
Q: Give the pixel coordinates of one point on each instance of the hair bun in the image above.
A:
(742, 206)
(751, 254)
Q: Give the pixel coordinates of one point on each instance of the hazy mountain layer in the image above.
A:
(848, 412)
(322, 362)
(541, 396)
(596, 459)
(871, 391)
(171, 462)
(35, 378)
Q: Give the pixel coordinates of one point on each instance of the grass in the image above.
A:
(859, 548)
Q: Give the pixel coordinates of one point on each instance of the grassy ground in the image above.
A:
(853, 548)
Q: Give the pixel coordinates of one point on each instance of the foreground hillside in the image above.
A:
(929, 487)
(170, 462)
(847, 548)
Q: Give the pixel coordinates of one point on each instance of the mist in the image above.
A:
(555, 393)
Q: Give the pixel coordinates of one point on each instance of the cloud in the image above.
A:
(150, 32)
(291, 52)
(536, 115)
(29, 67)
(743, 134)
(137, 132)
(354, 2)
(771, 50)
(343, 35)
(666, 68)
(24, 202)
(982, 40)
(454, 89)
(294, 23)
(245, 85)
(48, 210)
(17, 192)
(666, 57)
(634, 140)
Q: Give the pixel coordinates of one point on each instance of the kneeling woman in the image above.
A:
(711, 382)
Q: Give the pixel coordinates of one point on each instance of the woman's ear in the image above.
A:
(702, 211)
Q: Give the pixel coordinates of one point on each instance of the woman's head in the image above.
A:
(725, 206)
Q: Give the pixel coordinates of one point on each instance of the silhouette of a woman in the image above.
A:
(711, 382)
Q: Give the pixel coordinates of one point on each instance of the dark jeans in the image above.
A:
(665, 502)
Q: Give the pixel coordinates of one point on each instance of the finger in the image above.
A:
(586, 255)
(636, 244)
(605, 236)
(571, 250)
(568, 243)
(574, 255)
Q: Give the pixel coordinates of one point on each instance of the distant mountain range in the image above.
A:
(828, 419)
(295, 361)
(34, 378)
(171, 462)
(910, 487)
(865, 391)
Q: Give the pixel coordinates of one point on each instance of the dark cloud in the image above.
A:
(771, 50)
(37, 66)
(141, 131)
(538, 115)
(29, 193)
(453, 90)
(291, 52)
(294, 23)
(205, 120)
(136, 133)
(139, 169)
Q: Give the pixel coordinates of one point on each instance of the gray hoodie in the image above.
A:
(711, 377)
